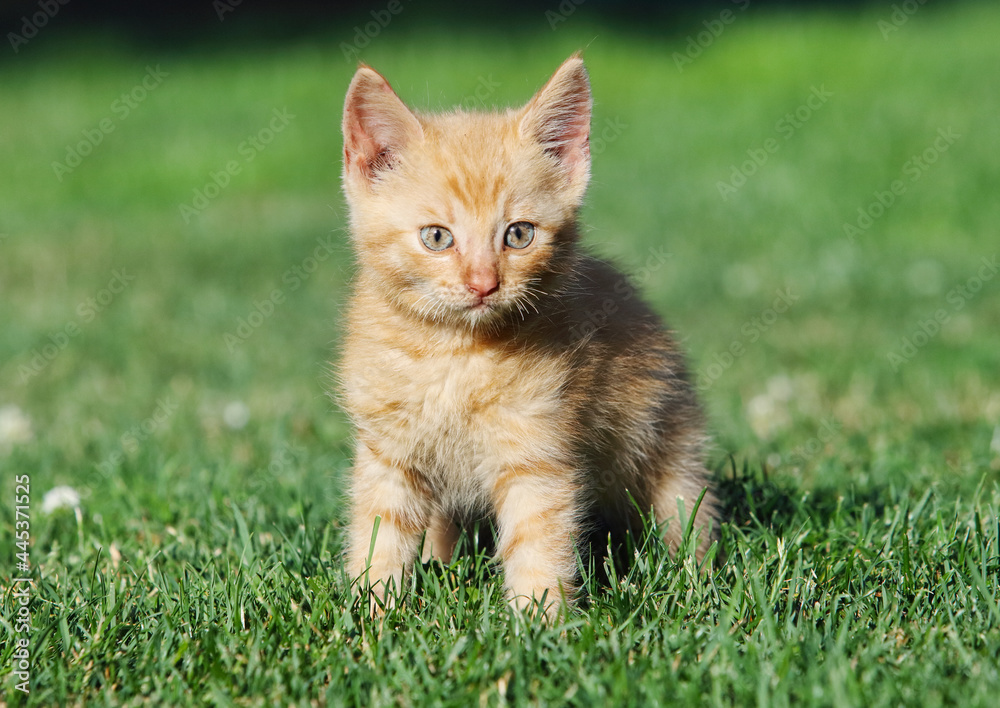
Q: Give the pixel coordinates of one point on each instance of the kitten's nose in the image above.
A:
(482, 282)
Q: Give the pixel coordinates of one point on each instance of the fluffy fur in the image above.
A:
(475, 376)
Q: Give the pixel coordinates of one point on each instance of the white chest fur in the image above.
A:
(458, 419)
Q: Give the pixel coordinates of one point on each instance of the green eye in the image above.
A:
(519, 235)
(436, 238)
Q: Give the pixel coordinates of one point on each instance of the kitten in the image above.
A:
(473, 371)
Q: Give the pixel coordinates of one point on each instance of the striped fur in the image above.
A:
(549, 404)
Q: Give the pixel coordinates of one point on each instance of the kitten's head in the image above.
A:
(466, 218)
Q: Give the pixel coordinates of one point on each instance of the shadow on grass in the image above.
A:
(750, 497)
(753, 499)
(757, 497)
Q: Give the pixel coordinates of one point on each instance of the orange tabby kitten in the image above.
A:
(472, 370)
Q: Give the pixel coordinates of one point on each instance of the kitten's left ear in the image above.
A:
(377, 125)
(559, 118)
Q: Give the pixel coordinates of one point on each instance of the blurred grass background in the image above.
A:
(815, 398)
(675, 132)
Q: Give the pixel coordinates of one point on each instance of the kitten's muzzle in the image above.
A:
(482, 283)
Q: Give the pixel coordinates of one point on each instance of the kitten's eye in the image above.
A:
(436, 238)
(519, 235)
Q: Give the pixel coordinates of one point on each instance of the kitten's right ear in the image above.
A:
(558, 117)
(377, 125)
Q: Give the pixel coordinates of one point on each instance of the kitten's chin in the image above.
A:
(481, 313)
(478, 315)
(471, 314)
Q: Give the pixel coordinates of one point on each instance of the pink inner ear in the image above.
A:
(368, 138)
(559, 117)
(376, 124)
(569, 139)
(359, 147)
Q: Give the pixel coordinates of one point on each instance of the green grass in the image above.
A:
(862, 552)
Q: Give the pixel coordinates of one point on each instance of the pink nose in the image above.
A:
(482, 283)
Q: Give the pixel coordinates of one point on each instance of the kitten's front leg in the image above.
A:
(441, 539)
(384, 492)
(538, 517)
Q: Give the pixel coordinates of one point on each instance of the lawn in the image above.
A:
(809, 198)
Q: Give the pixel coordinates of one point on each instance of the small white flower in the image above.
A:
(765, 416)
(61, 497)
(236, 415)
(780, 388)
(767, 412)
(15, 426)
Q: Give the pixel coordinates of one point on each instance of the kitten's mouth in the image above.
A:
(482, 309)
(482, 303)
